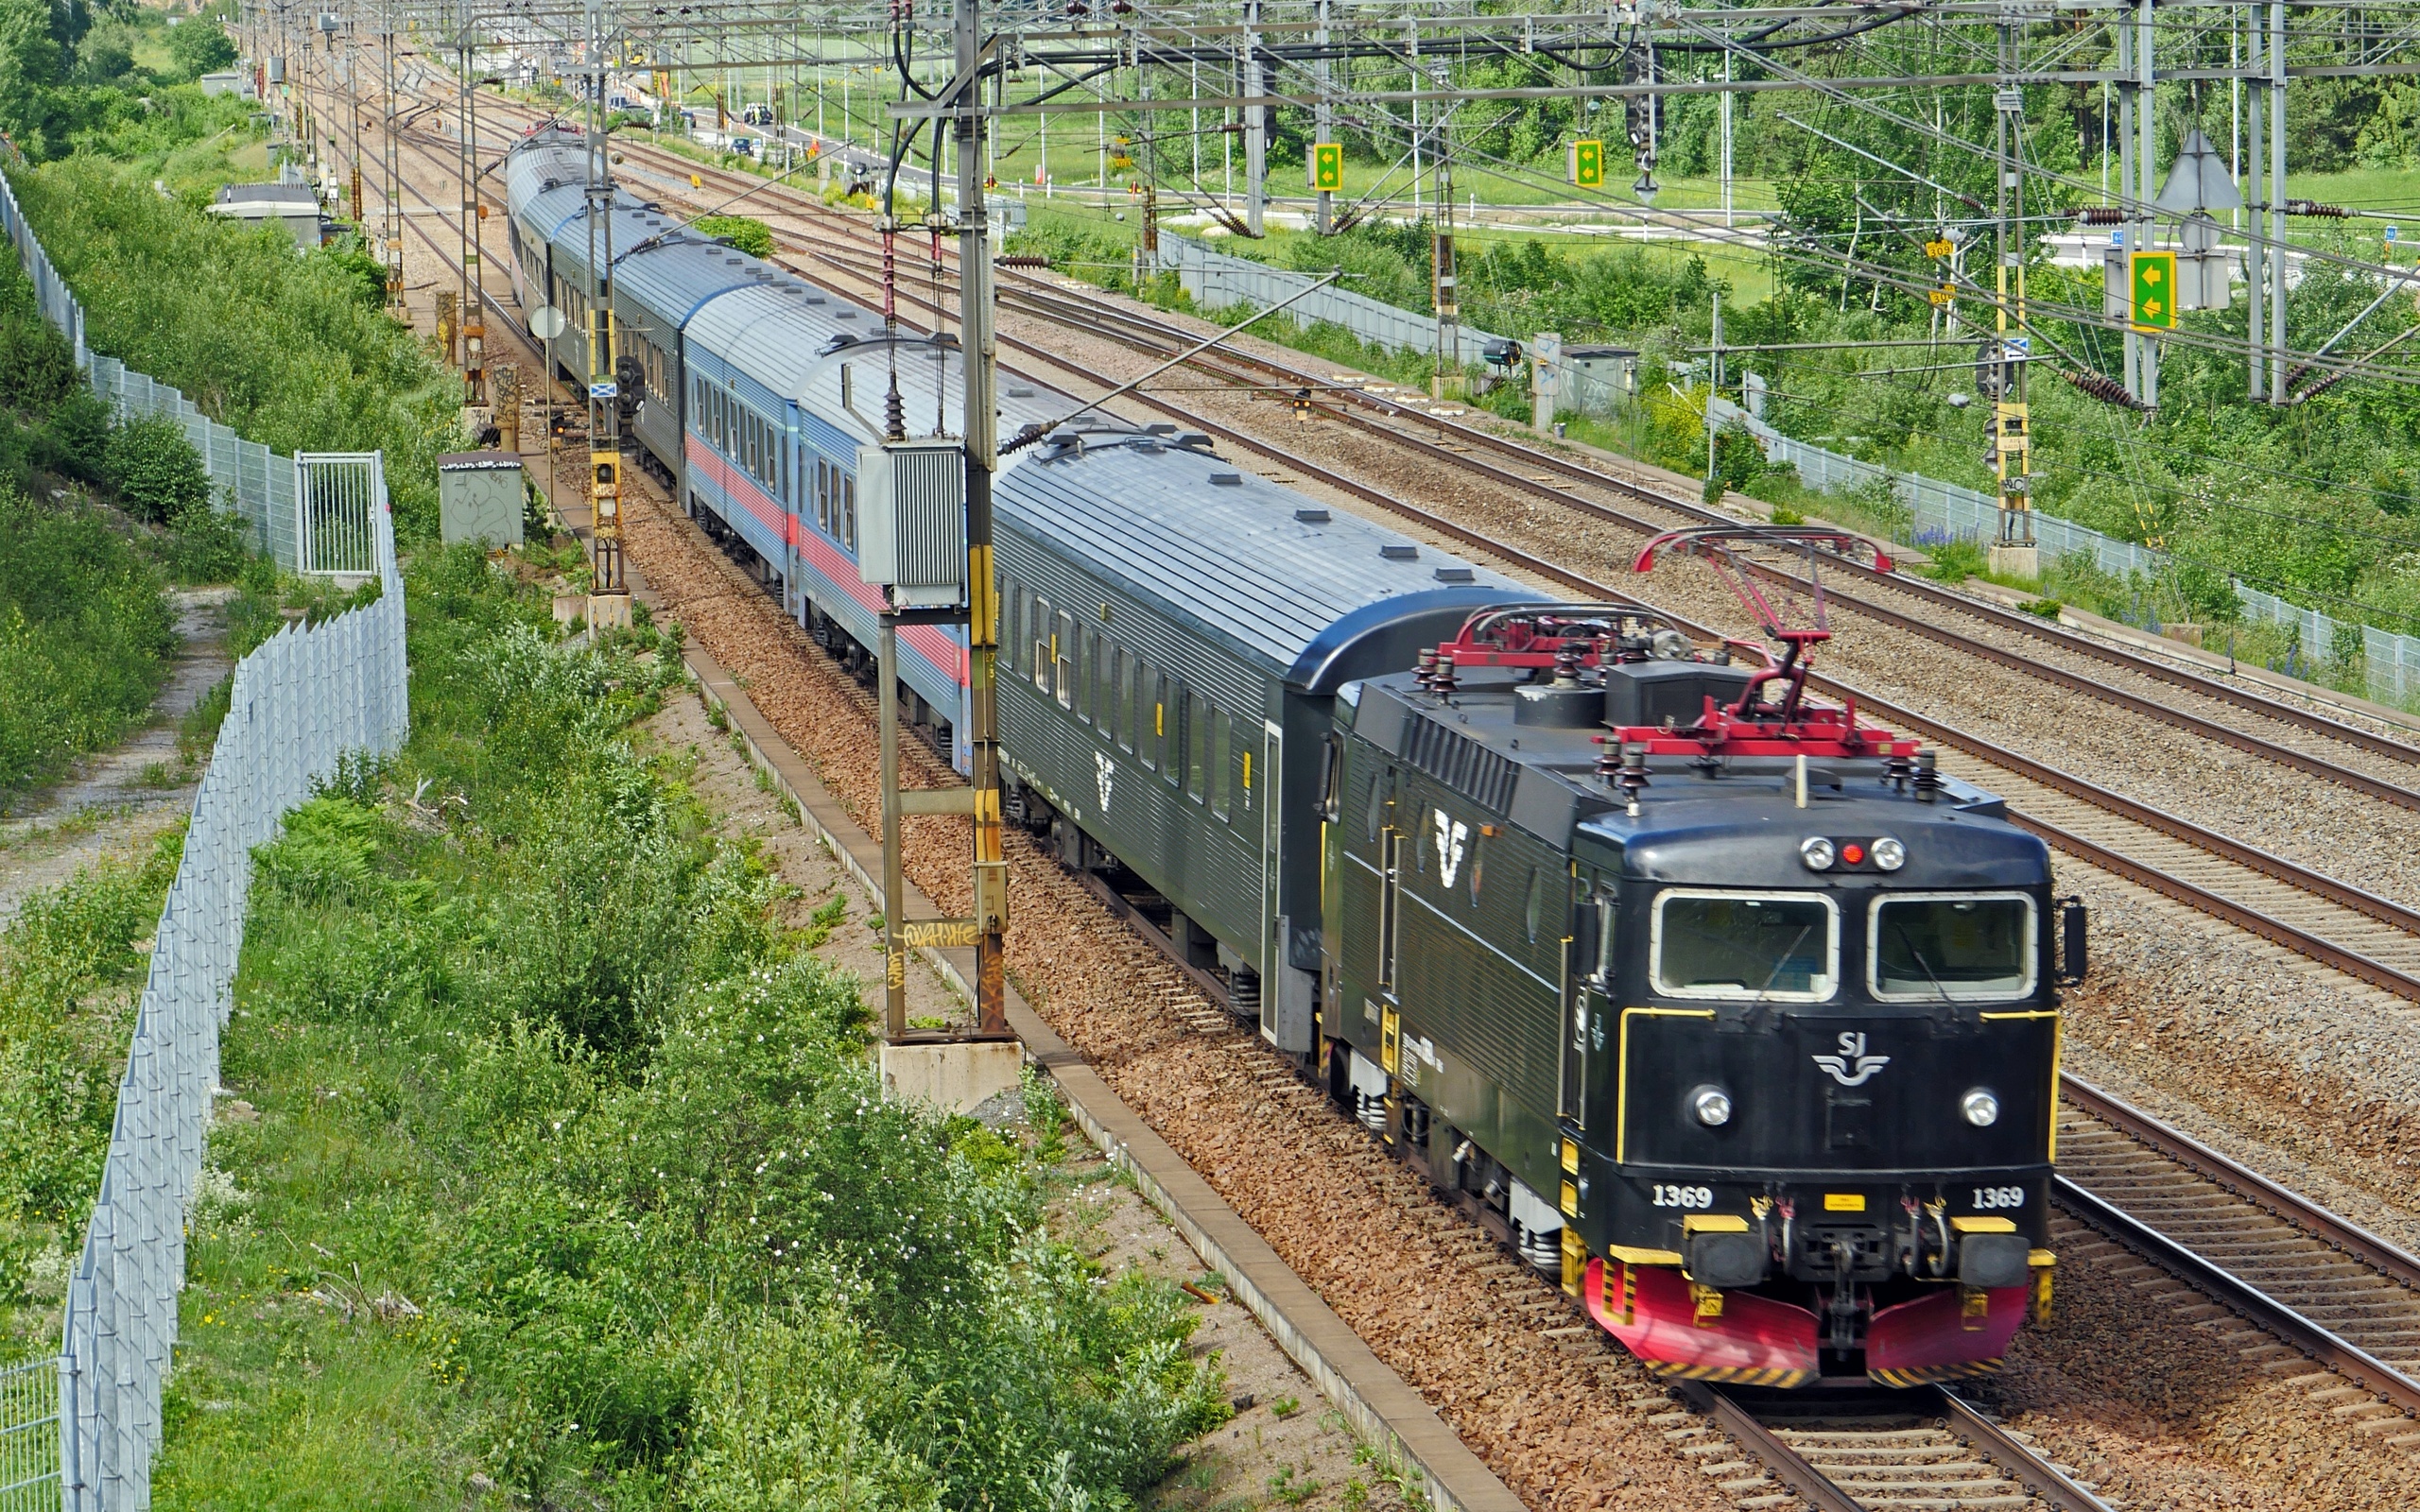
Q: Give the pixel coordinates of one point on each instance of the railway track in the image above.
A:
(1546, 474)
(2328, 1288)
(2367, 937)
(1937, 1450)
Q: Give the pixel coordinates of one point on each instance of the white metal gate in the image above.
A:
(340, 519)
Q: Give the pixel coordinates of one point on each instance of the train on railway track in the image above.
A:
(1724, 1007)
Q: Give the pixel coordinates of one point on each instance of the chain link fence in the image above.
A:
(2389, 662)
(300, 702)
(246, 477)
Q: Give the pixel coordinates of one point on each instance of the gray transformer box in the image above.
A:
(479, 497)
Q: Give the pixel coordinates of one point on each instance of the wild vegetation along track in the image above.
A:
(1549, 475)
(2330, 1289)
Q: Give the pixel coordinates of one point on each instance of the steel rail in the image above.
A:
(2217, 1282)
(1992, 613)
(1095, 315)
(2295, 937)
(2381, 1255)
(1958, 603)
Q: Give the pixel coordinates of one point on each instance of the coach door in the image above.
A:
(1266, 788)
(1587, 978)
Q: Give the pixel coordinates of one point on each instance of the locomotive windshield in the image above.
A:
(1781, 946)
(1956, 946)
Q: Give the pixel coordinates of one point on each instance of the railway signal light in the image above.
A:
(2153, 280)
(1589, 165)
(1327, 166)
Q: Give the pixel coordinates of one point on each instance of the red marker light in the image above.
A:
(1853, 853)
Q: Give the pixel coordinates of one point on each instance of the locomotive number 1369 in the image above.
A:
(2000, 1196)
(1667, 1196)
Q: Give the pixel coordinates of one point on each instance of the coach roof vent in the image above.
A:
(1313, 517)
(1399, 552)
(1455, 574)
(1228, 480)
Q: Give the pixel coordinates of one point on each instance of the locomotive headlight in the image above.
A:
(1982, 1108)
(1816, 853)
(1889, 854)
(1711, 1106)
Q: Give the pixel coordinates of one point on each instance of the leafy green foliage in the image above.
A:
(158, 474)
(199, 46)
(284, 349)
(742, 232)
(532, 1051)
(84, 637)
(68, 969)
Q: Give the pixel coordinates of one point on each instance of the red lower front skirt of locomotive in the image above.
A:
(1677, 1329)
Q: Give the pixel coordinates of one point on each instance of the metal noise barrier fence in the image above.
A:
(1215, 279)
(300, 702)
(246, 477)
(2390, 662)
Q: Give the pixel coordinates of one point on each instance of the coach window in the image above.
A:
(1147, 716)
(823, 495)
(1010, 601)
(1168, 719)
(1121, 701)
(1197, 755)
(1062, 650)
(1087, 671)
(849, 511)
(1220, 759)
(1045, 655)
(1105, 688)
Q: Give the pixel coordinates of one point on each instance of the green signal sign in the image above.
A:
(2154, 307)
(1327, 166)
(1589, 165)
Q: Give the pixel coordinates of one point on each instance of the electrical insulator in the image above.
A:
(2108, 390)
(2315, 209)
(2099, 215)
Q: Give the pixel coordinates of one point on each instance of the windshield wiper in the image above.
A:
(1919, 957)
(1780, 961)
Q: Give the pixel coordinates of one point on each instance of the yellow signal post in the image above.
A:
(1328, 167)
(1589, 165)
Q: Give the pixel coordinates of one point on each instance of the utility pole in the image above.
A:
(2255, 270)
(2135, 223)
(474, 315)
(1255, 128)
(609, 593)
(2147, 184)
(2276, 199)
(390, 159)
(1445, 294)
(980, 348)
(2012, 427)
(1323, 113)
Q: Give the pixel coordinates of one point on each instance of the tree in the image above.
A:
(158, 474)
(199, 46)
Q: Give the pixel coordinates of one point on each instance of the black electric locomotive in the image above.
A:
(1739, 1011)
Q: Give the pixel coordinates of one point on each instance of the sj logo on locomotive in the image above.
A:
(1453, 838)
(1851, 1067)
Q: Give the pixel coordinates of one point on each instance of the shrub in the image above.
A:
(158, 474)
(739, 231)
(199, 46)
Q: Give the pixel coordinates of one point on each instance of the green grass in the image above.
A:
(569, 1175)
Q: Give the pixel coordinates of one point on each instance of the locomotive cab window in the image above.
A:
(1776, 947)
(1953, 947)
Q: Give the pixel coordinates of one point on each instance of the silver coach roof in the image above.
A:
(1234, 556)
(779, 331)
